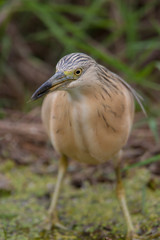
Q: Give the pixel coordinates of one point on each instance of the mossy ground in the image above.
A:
(90, 213)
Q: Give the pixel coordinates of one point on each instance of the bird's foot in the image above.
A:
(134, 236)
(51, 222)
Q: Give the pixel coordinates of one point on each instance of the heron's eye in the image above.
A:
(78, 71)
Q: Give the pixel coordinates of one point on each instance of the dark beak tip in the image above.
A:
(42, 90)
(33, 97)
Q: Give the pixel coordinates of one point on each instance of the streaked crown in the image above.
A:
(74, 60)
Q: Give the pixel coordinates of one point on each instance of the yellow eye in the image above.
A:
(78, 71)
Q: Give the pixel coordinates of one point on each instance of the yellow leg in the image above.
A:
(131, 235)
(123, 204)
(121, 197)
(53, 219)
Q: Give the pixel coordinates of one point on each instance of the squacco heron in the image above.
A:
(88, 115)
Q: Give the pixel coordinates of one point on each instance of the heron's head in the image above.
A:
(71, 68)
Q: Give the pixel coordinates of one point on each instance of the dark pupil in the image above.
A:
(78, 72)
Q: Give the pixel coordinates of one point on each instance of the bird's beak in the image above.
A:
(50, 85)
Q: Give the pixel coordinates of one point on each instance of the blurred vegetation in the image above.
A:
(122, 35)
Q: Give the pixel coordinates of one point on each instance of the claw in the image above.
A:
(134, 236)
(51, 222)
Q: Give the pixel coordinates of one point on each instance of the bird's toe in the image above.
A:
(52, 221)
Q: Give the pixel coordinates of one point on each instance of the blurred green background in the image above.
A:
(122, 35)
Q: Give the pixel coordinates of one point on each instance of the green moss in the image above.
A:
(90, 213)
(6, 166)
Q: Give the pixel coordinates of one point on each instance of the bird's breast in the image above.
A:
(87, 129)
